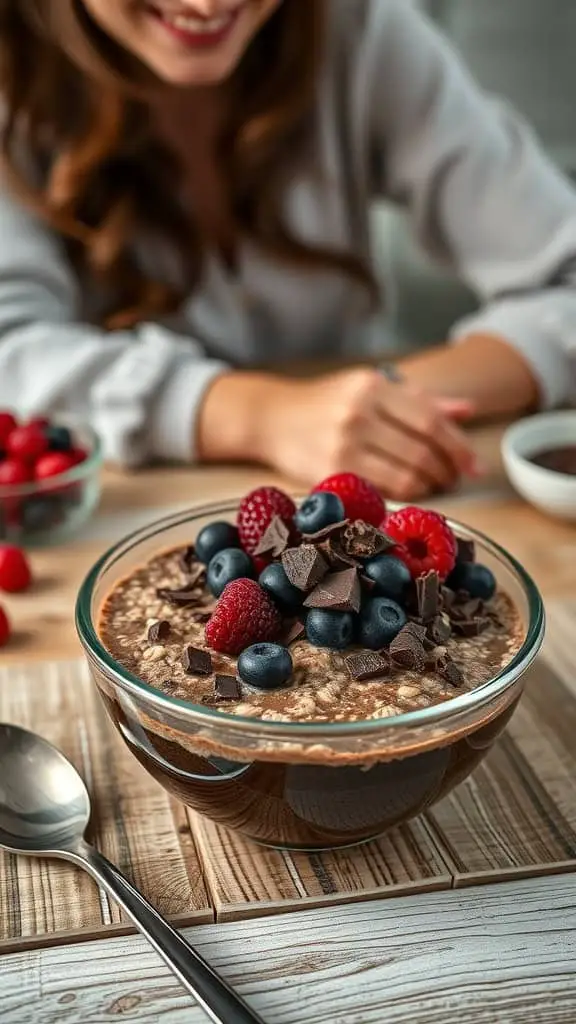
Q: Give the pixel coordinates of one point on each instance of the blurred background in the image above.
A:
(523, 50)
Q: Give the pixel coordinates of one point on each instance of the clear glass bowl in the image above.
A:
(301, 785)
(51, 511)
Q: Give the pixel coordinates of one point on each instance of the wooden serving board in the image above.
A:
(516, 816)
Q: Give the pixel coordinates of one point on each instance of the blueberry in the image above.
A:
(380, 621)
(319, 510)
(476, 579)
(229, 564)
(265, 666)
(329, 629)
(214, 538)
(391, 577)
(59, 439)
(275, 581)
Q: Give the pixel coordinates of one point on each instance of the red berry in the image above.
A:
(425, 540)
(27, 443)
(243, 616)
(360, 498)
(53, 464)
(7, 425)
(14, 472)
(39, 421)
(78, 454)
(256, 512)
(4, 628)
(15, 572)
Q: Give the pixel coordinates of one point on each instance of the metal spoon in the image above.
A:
(44, 811)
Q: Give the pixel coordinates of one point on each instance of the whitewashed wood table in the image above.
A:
(498, 954)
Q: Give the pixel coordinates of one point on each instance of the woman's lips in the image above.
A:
(197, 32)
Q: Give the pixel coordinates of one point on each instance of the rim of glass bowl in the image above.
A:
(71, 476)
(198, 714)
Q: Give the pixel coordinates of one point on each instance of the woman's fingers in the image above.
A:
(421, 417)
(395, 480)
(386, 439)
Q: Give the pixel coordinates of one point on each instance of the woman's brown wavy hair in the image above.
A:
(75, 106)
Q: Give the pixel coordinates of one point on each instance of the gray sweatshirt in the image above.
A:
(398, 118)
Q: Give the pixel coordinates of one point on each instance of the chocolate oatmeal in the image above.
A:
(153, 623)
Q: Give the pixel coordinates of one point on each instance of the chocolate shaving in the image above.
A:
(339, 591)
(471, 627)
(181, 597)
(361, 540)
(363, 665)
(202, 615)
(187, 558)
(466, 550)
(367, 582)
(326, 531)
(439, 631)
(446, 668)
(428, 594)
(292, 631)
(158, 632)
(275, 539)
(304, 566)
(196, 662)
(408, 651)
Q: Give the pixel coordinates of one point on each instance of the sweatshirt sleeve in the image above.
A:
(482, 195)
(140, 389)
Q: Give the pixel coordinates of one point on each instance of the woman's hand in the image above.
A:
(403, 440)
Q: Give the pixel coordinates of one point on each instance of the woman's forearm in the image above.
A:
(484, 369)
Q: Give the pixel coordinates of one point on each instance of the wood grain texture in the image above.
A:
(132, 824)
(502, 955)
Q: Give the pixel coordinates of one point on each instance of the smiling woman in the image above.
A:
(185, 200)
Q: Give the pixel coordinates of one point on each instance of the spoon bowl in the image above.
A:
(44, 805)
(44, 811)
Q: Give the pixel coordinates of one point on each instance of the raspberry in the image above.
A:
(4, 628)
(243, 616)
(15, 572)
(78, 454)
(425, 541)
(256, 512)
(53, 464)
(39, 421)
(13, 472)
(7, 425)
(27, 443)
(360, 498)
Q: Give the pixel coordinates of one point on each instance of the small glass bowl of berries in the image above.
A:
(49, 479)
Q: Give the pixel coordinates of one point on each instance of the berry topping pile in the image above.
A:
(36, 451)
(384, 593)
(15, 577)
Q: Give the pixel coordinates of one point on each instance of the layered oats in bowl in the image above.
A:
(306, 676)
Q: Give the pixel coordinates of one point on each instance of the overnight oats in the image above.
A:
(311, 675)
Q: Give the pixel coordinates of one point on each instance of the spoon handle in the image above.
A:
(211, 992)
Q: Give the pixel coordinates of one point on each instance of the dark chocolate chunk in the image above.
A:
(448, 598)
(367, 582)
(196, 662)
(417, 630)
(428, 593)
(275, 539)
(291, 632)
(439, 630)
(361, 540)
(471, 627)
(187, 558)
(446, 668)
(201, 615)
(181, 597)
(363, 665)
(227, 687)
(339, 591)
(336, 557)
(466, 550)
(408, 651)
(327, 531)
(304, 566)
(158, 632)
